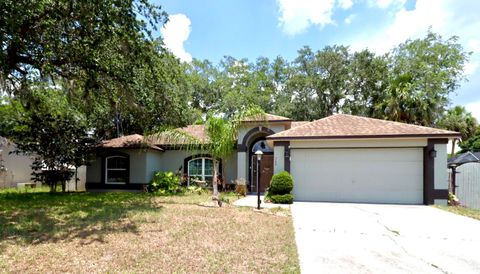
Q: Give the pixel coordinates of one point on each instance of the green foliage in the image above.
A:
(91, 43)
(164, 183)
(228, 197)
(194, 190)
(42, 125)
(471, 144)
(410, 84)
(459, 119)
(281, 183)
(423, 73)
(282, 199)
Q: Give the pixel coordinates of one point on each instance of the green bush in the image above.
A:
(282, 199)
(164, 183)
(281, 183)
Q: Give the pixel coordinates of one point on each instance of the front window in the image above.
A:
(200, 169)
(116, 170)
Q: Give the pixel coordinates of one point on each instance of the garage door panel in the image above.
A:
(358, 175)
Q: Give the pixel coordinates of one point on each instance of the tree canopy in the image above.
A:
(96, 69)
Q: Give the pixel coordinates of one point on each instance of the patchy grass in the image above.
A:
(127, 232)
(469, 212)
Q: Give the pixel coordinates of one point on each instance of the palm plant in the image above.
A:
(220, 142)
(459, 119)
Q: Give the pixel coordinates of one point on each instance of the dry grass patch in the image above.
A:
(465, 211)
(124, 232)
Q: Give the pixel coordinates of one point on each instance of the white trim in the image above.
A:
(107, 169)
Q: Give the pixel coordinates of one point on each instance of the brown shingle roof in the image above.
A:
(128, 141)
(266, 117)
(349, 126)
(299, 123)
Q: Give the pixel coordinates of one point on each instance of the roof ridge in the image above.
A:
(390, 121)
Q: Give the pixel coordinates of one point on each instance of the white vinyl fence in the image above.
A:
(468, 185)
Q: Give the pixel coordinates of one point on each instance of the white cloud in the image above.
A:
(297, 15)
(446, 17)
(474, 108)
(349, 19)
(386, 3)
(345, 4)
(175, 32)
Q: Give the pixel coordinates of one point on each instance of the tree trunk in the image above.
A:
(454, 141)
(215, 181)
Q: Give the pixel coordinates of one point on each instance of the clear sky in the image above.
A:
(211, 29)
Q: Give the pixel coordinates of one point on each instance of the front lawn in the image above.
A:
(126, 232)
(469, 212)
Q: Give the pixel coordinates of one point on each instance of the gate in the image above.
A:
(468, 185)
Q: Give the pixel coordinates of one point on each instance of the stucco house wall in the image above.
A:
(138, 167)
(17, 167)
(145, 162)
(242, 166)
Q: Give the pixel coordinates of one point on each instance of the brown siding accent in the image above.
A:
(241, 148)
(429, 191)
(286, 145)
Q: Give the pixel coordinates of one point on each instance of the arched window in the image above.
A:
(262, 146)
(200, 169)
(116, 170)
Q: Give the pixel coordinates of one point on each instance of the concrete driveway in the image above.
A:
(366, 238)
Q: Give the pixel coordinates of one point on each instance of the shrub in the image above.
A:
(194, 190)
(164, 183)
(281, 183)
(282, 199)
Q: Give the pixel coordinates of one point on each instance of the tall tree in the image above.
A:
(366, 84)
(423, 74)
(319, 82)
(45, 127)
(459, 119)
(90, 43)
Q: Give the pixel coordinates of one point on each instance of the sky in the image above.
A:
(212, 29)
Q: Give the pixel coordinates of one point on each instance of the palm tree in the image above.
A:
(459, 119)
(221, 138)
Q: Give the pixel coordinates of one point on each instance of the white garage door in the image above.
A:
(378, 175)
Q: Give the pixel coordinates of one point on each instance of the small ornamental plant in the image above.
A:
(164, 183)
(280, 188)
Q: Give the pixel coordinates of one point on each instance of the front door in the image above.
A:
(266, 172)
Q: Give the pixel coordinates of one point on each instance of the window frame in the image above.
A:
(202, 176)
(126, 169)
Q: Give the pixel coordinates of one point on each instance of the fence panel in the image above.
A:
(468, 185)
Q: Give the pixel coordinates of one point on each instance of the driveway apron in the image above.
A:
(368, 238)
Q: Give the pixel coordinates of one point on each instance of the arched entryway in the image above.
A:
(255, 140)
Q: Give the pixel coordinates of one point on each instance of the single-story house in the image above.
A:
(16, 169)
(340, 158)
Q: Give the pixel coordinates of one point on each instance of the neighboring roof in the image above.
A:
(341, 126)
(467, 157)
(129, 141)
(266, 117)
